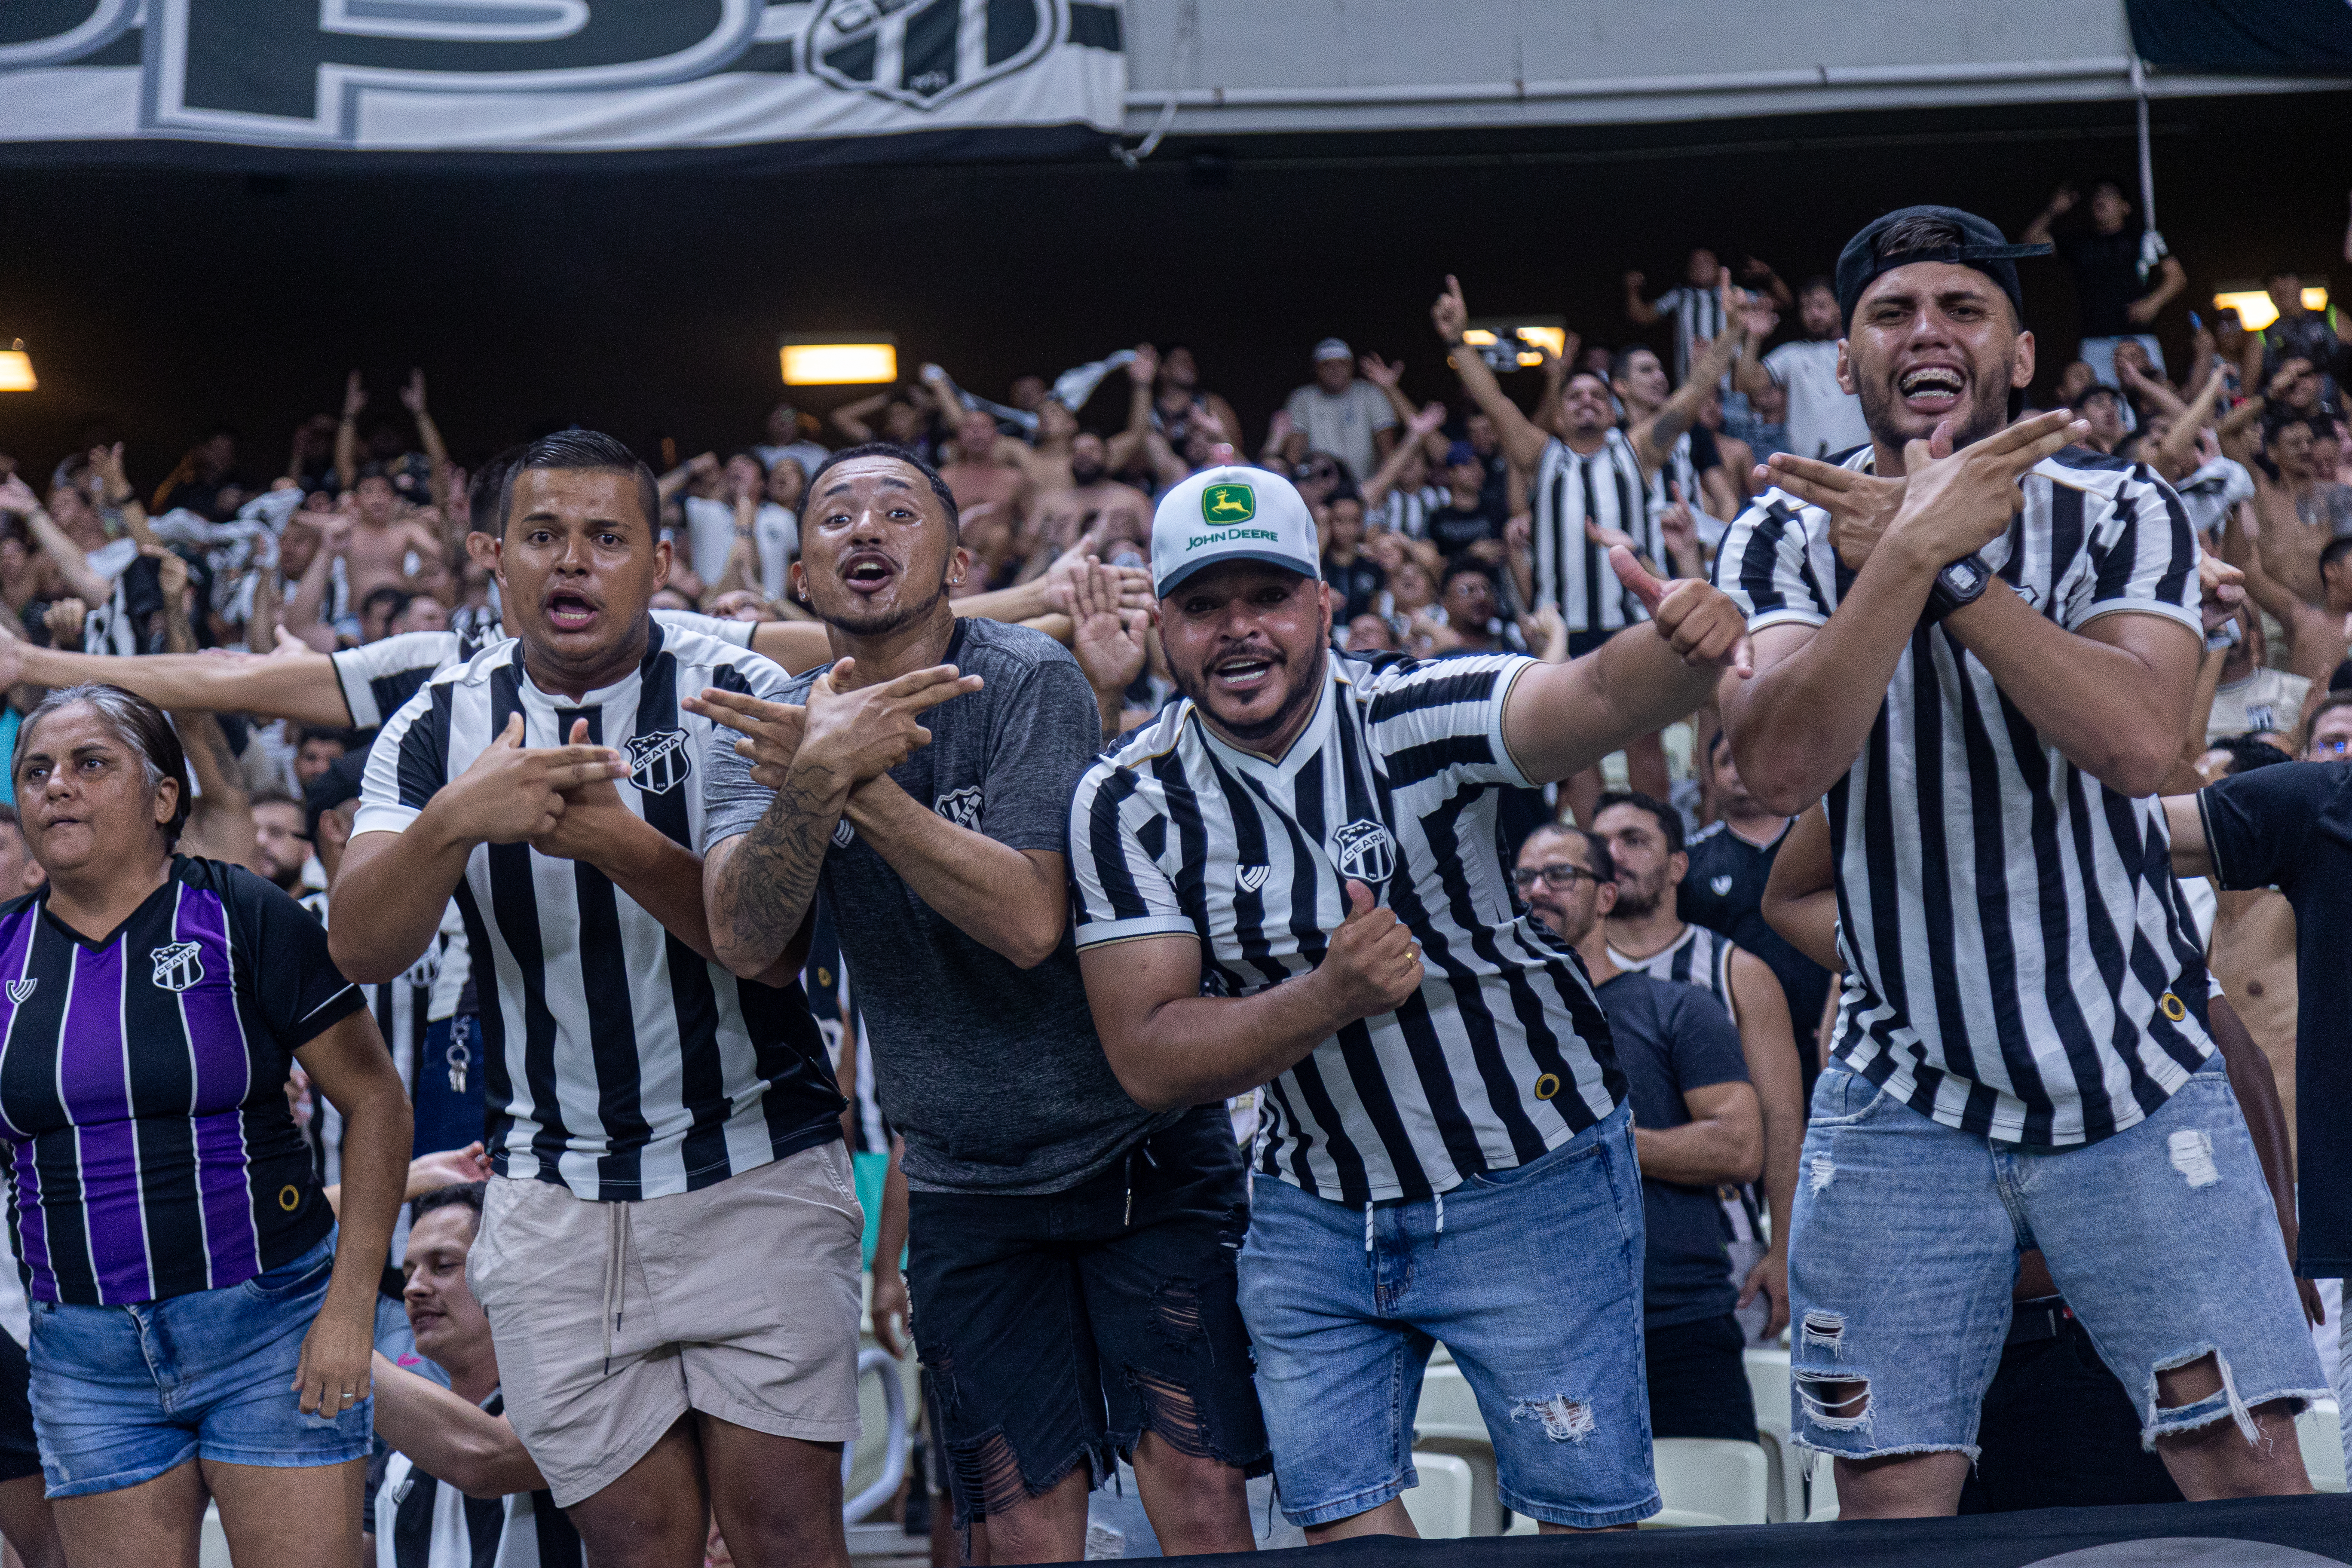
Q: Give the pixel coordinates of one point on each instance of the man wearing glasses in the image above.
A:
(1696, 1124)
(2290, 827)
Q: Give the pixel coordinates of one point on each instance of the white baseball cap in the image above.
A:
(1232, 514)
(1332, 348)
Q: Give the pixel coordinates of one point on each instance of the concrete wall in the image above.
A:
(1323, 65)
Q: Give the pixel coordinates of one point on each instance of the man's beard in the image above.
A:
(1988, 412)
(1636, 902)
(285, 879)
(1298, 695)
(887, 621)
(1083, 474)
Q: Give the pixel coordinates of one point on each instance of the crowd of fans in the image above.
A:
(298, 624)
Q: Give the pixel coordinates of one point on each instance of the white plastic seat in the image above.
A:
(1449, 1422)
(1440, 1505)
(1824, 1492)
(1711, 1480)
(2318, 1430)
(1767, 1383)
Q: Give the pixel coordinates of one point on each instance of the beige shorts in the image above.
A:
(614, 1320)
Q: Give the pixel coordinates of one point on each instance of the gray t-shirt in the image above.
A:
(994, 1075)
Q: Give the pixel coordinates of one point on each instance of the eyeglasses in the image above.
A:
(1555, 875)
(2332, 748)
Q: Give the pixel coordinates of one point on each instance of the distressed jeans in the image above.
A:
(1903, 1250)
(1531, 1277)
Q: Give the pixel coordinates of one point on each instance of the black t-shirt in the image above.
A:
(1724, 891)
(2290, 827)
(1495, 495)
(1452, 530)
(2106, 280)
(1356, 586)
(1672, 1038)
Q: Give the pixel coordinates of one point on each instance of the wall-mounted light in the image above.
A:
(17, 368)
(2254, 309)
(1508, 343)
(838, 362)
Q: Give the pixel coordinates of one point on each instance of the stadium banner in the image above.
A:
(554, 76)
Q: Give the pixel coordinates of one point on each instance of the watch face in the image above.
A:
(1965, 576)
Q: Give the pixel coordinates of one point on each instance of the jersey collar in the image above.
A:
(1308, 743)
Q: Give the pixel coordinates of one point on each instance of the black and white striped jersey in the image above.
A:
(422, 1523)
(1406, 512)
(2018, 963)
(1502, 1055)
(378, 677)
(1570, 490)
(1698, 957)
(1698, 318)
(617, 1062)
(401, 1009)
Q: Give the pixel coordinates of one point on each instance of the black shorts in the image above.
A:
(1698, 1380)
(20, 1454)
(1057, 1328)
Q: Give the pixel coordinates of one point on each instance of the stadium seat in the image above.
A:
(1710, 1480)
(1449, 1422)
(880, 1462)
(1440, 1505)
(1768, 1381)
(2316, 1429)
(1823, 1485)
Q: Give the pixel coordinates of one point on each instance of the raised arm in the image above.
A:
(850, 418)
(1142, 371)
(1798, 725)
(1522, 442)
(2179, 443)
(300, 684)
(1172, 1047)
(436, 452)
(1560, 719)
(1654, 438)
(72, 566)
(1385, 478)
(347, 433)
(2061, 202)
(115, 489)
(1638, 310)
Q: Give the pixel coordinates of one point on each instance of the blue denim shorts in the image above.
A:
(122, 1394)
(1903, 1250)
(1531, 1277)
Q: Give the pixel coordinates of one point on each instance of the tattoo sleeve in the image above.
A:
(767, 886)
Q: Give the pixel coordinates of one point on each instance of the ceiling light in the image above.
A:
(17, 368)
(2254, 309)
(833, 362)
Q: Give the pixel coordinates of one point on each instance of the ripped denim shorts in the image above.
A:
(1905, 1246)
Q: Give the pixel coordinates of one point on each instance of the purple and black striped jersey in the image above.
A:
(151, 1152)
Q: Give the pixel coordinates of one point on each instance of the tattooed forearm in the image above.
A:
(769, 881)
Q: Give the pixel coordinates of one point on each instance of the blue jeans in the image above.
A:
(1903, 1251)
(122, 1394)
(1531, 1277)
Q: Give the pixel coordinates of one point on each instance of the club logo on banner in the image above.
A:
(553, 75)
(919, 53)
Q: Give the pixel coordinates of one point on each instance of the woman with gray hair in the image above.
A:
(199, 1323)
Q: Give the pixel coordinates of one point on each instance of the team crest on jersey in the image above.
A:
(1367, 851)
(660, 762)
(960, 806)
(1720, 885)
(178, 965)
(1250, 879)
(21, 991)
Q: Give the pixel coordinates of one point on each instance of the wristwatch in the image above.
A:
(1960, 584)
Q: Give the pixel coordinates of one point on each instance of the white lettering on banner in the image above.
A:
(555, 75)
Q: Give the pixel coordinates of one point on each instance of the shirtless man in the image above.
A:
(383, 537)
(2300, 511)
(1064, 512)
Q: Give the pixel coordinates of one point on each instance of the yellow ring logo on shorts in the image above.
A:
(2172, 1006)
(1547, 1086)
(289, 1197)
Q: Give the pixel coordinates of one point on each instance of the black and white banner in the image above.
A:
(552, 76)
